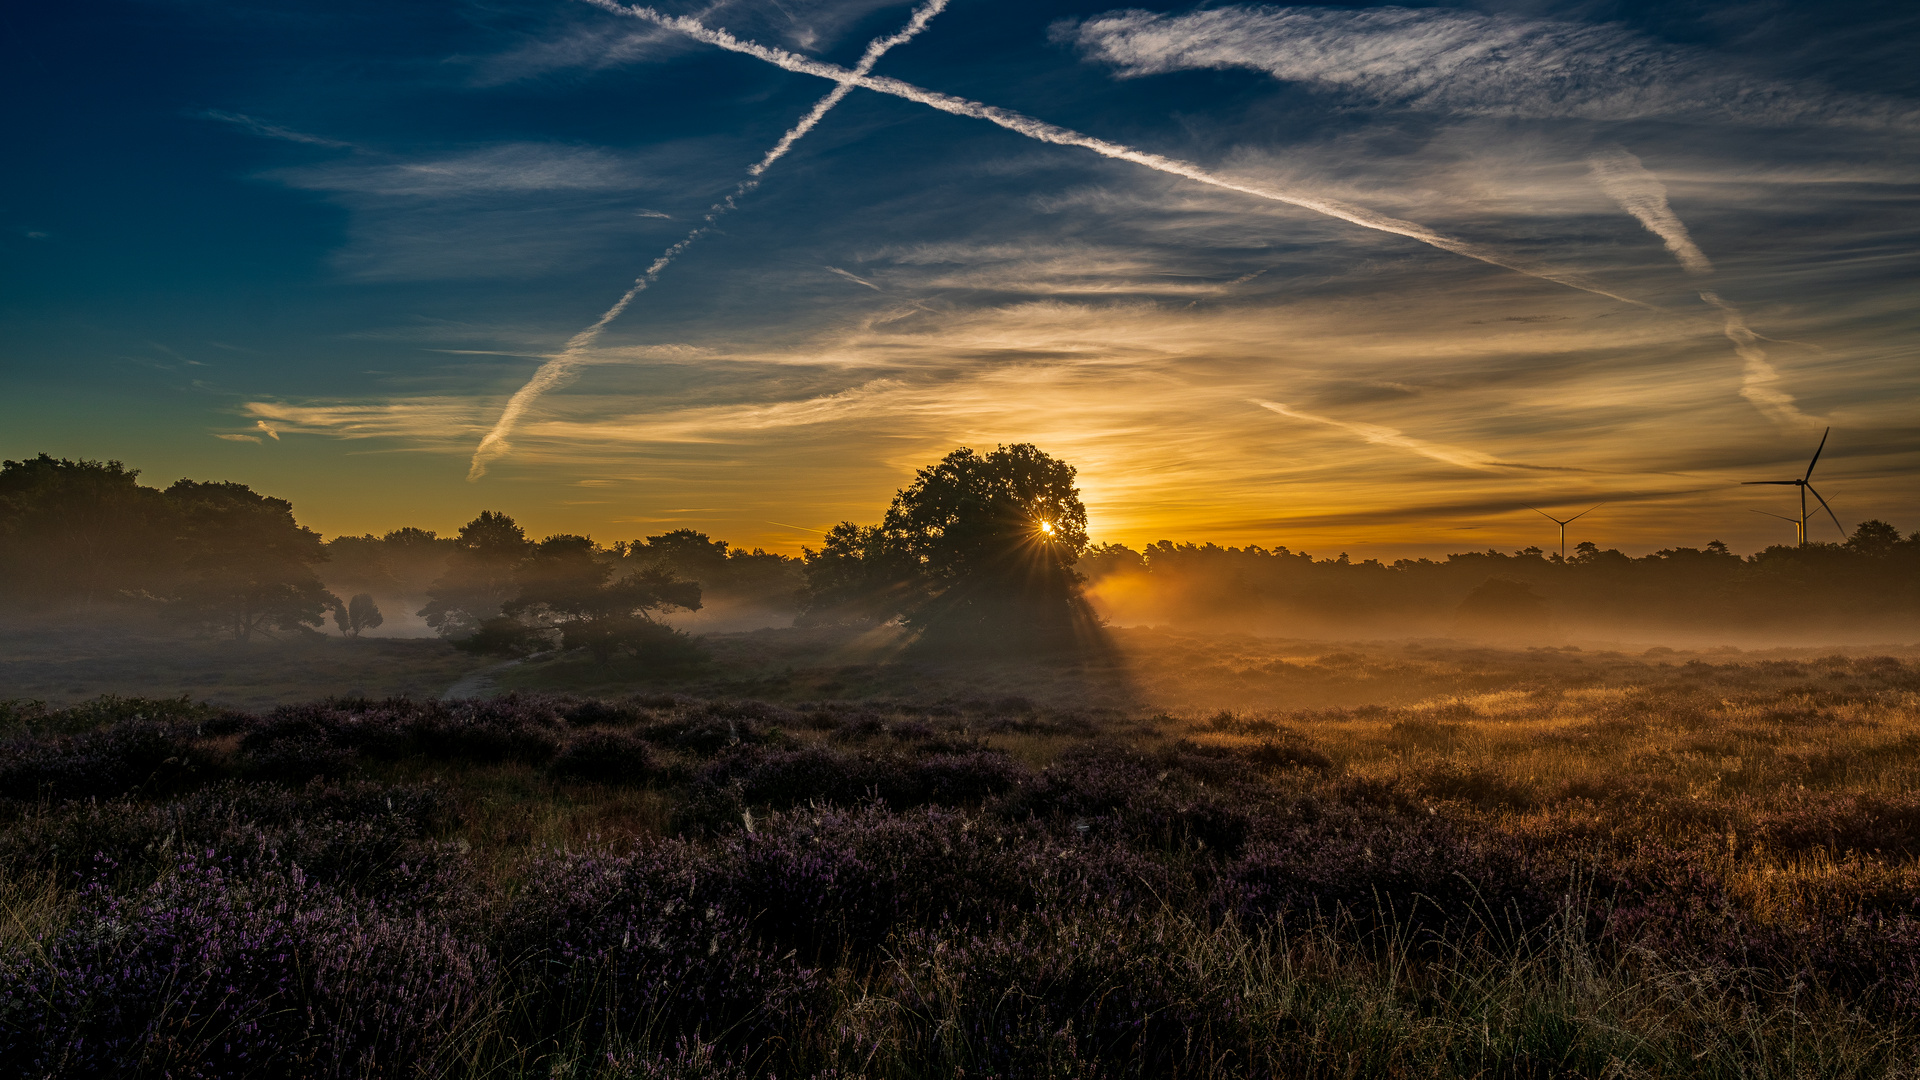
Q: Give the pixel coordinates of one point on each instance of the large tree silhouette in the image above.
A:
(79, 530)
(978, 544)
(249, 565)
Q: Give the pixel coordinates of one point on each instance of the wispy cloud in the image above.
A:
(508, 210)
(855, 279)
(1455, 61)
(265, 130)
(511, 168)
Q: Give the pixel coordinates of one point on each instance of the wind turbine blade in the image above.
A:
(1542, 513)
(1749, 483)
(1585, 512)
(1782, 517)
(1816, 454)
(1829, 510)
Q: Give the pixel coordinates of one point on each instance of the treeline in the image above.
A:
(979, 546)
(214, 555)
(221, 558)
(1872, 580)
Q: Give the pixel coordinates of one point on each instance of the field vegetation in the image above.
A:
(1427, 862)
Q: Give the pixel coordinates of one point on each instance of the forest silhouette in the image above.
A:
(980, 545)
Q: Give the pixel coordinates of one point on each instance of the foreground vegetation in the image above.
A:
(1615, 868)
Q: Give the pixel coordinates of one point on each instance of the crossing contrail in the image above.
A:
(559, 369)
(1059, 136)
(1640, 193)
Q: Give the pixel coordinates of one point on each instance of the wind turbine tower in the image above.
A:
(1563, 524)
(1805, 485)
(1799, 527)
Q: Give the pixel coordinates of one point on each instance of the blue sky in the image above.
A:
(318, 248)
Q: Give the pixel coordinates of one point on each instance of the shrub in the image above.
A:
(605, 757)
(621, 944)
(222, 968)
(149, 754)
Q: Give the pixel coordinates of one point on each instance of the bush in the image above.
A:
(605, 757)
(153, 755)
(619, 945)
(229, 968)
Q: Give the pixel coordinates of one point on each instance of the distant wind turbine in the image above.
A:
(1799, 527)
(1805, 486)
(1563, 524)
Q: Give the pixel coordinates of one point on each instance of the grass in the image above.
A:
(70, 659)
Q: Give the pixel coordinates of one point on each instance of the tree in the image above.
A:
(81, 530)
(978, 542)
(855, 577)
(728, 574)
(480, 575)
(359, 613)
(249, 563)
(1874, 539)
(568, 591)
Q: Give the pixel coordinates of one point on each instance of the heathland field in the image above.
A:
(1192, 857)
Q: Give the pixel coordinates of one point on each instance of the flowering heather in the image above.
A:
(1692, 871)
(226, 968)
(607, 757)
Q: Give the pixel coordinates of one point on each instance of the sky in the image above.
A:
(1368, 279)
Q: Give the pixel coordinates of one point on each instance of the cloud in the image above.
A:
(1454, 61)
(270, 131)
(508, 168)
(856, 280)
(590, 48)
(510, 210)
(237, 438)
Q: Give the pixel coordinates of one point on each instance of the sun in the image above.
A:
(1046, 527)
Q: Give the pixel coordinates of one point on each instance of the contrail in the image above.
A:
(1059, 136)
(1758, 381)
(1640, 193)
(559, 369)
(1386, 436)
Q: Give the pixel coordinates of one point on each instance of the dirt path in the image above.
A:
(476, 683)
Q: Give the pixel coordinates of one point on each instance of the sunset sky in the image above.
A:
(1364, 279)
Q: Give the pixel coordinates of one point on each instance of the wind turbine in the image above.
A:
(1563, 524)
(1805, 487)
(1799, 527)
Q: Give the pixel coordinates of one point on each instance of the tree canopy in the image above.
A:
(249, 564)
(977, 542)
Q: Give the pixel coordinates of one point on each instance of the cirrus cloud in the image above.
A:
(1453, 61)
